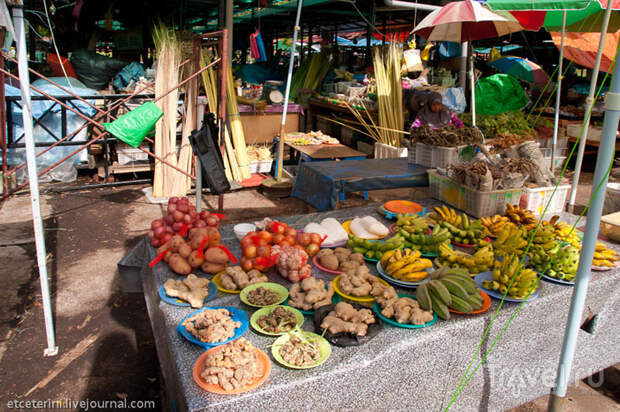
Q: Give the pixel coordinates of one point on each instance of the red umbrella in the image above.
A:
(581, 48)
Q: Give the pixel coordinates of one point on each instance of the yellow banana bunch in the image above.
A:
(406, 265)
(520, 216)
(494, 224)
(446, 214)
(605, 257)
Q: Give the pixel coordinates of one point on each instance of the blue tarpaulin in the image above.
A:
(321, 183)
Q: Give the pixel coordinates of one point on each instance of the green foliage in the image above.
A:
(494, 125)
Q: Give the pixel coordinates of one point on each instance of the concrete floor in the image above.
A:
(105, 342)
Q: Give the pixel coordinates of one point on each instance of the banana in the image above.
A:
(439, 307)
(461, 305)
(423, 297)
(415, 276)
(441, 291)
(386, 257)
(455, 288)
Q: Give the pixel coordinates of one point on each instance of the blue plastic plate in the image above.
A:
(377, 308)
(398, 282)
(557, 281)
(212, 288)
(236, 314)
(482, 276)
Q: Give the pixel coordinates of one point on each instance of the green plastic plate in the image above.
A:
(324, 348)
(265, 311)
(279, 289)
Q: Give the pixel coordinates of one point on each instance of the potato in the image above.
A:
(213, 268)
(342, 257)
(214, 236)
(167, 256)
(198, 231)
(329, 262)
(179, 265)
(216, 255)
(197, 240)
(194, 260)
(342, 250)
(175, 242)
(184, 250)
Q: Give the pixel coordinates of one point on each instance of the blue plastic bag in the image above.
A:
(454, 99)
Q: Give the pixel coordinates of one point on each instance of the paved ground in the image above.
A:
(106, 347)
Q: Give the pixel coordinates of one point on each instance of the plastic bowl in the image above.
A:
(243, 229)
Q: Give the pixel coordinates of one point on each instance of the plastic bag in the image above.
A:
(94, 70)
(346, 339)
(132, 71)
(413, 61)
(454, 99)
(499, 93)
(133, 127)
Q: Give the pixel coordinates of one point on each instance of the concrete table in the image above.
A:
(400, 369)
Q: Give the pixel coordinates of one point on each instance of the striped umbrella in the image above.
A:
(466, 20)
(521, 68)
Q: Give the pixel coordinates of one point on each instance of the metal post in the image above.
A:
(472, 84)
(463, 72)
(229, 28)
(556, 125)
(3, 135)
(287, 93)
(589, 104)
(603, 160)
(18, 19)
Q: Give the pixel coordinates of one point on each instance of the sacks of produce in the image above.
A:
(292, 263)
(180, 218)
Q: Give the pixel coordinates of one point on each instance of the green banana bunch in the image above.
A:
(375, 249)
(449, 289)
(411, 224)
(469, 233)
(427, 243)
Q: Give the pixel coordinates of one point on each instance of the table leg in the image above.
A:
(220, 203)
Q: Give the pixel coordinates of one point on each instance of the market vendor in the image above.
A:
(435, 115)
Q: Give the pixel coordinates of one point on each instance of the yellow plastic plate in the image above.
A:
(217, 279)
(367, 298)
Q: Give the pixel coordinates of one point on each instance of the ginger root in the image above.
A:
(191, 289)
(403, 310)
(345, 318)
(310, 294)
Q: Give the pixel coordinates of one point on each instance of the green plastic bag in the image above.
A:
(133, 127)
(499, 93)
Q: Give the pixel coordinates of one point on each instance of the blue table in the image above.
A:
(323, 184)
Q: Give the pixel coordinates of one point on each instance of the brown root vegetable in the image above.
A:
(167, 256)
(214, 236)
(357, 257)
(213, 268)
(184, 250)
(174, 243)
(343, 251)
(329, 262)
(194, 260)
(196, 240)
(179, 265)
(216, 255)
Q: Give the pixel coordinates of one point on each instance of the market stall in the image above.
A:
(405, 368)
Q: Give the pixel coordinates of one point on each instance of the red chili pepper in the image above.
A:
(158, 258)
(232, 257)
(220, 215)
(201, 253)
(183, 231)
